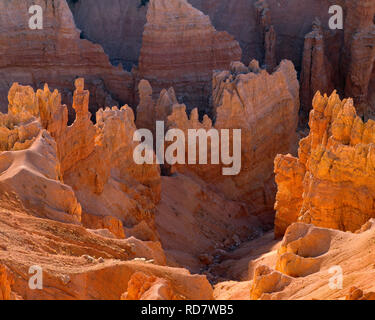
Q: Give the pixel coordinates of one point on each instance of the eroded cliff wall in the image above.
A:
(56, 55)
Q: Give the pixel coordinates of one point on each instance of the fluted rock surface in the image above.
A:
(342, 59)
(359, 55)
(181, 48)
(331, 184)
(97, 160)
(94, 161)
(29, 164)
(55, 55)
(316, 73)
(265, 107)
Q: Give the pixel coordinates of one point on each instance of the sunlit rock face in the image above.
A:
(81, 167)
(307, 257)
(56, 55)
(265, 108)
(97, 160)
(29, 162)
(331, 183)
(181, 48)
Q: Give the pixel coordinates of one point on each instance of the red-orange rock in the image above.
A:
(181, 48)
(143, 287)
(56, 55)
(317, 73)
(265, 107)
(338, 180)
(85, 162)
(317, 263)
(359, 55)
(267, 281)
(96, 159)
(112, 224)
(358, 294)
(289, 178)
(6, 282)
(77, 263)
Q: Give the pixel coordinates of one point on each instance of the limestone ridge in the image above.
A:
(181, 48)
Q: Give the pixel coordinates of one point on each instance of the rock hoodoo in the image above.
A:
(331, 183)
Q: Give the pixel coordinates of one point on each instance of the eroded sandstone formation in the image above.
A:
(6, 281)
(82, 167)
(78, 263)
(143, 287)
(30, 166)
(342, 59)
(265, 107)
(316, 73)
(331, 183)
(181, 48)
(48, 173)
(269, 34)
(199, 204)
(307, 260)
(56, 55)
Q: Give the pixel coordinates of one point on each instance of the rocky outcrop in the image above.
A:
(359, 54)
(215, 211)
(6, 282)
(269, 34)
(77, 263)
(143, 287)
(29, 164)
(316, 73)
(318, 263)
(358, 294)
(267, 281)
(96, 159)
(342, 59)
(289, 179)
(331, 183)
(151, 110)
(265, 107)
(82, 166)
(181, 48)
(56, 55)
